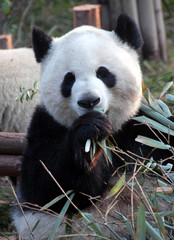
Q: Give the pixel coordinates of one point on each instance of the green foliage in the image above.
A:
(5, 202)
(28, 94)
(119, 184)
(17, 18)
(141, 223)
(5, 5)
(169, 5)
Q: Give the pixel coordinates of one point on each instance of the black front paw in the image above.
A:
(94, 126)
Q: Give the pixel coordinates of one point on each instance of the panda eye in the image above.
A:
(106, 76)
(69, 78)
(67, 84)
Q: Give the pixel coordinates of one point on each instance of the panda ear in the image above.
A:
(41, 43)
(128, 31)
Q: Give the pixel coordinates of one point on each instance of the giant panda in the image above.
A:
(18, 68)
(84, 70)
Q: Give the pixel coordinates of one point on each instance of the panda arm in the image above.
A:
(62, 151)
(125, 139)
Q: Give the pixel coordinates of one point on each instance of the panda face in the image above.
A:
(89, 68)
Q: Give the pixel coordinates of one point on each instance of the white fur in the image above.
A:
(18, 67)
(82, 51)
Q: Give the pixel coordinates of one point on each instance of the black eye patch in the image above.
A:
(106, 76)
(67, 84)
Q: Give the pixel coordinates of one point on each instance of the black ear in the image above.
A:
(128, 31)
(41, 43)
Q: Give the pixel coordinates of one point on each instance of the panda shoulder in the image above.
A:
(43, 125)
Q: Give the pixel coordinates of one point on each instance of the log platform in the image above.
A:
(11, 149)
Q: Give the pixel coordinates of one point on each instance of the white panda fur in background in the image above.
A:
(85, 69)
(17, 68)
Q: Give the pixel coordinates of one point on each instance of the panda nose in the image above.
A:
(89, 102)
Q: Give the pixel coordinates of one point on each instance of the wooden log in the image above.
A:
(12, 143)
(10, 165)
(6, 41)
(87, 14)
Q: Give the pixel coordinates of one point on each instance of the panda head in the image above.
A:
(88, 68)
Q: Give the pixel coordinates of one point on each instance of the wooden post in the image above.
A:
(161, 30)
(115, 8)
(88, 14)
(130, 8)
(148, 28)
(6, 41)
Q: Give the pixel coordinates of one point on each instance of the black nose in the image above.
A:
(88, 102)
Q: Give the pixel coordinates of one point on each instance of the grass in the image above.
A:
(6, 197)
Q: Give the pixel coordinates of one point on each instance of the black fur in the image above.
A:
(106, 76)
(126, 140)
(128, 31)
(67, 84)
(63, 152)
(41, 43)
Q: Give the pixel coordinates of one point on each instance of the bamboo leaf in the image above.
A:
(161, 183)
(153, 103)
(55, 200)
(59, 219)
(141, 224)
(35, 85)
(28, 95)
(164, 107)
(167, 168)
(92, 223)
(152, 143)
(161, 226)
(169, 98)
(166, 88)
(155, 125)
(88, 145)
(160, 118)
(35, 226)
(151, 231)
(128, 223)
(101, 110)
(22, 98)
(68, 227)
(119, 184)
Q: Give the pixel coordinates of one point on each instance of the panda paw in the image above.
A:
(92, 125)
